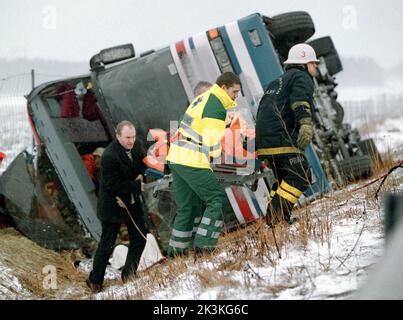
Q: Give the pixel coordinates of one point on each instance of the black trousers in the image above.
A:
(107, 244)
(293, 178)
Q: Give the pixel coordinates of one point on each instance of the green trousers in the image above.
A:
(194, 190)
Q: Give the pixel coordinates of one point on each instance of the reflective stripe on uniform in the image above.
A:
(216, 147)
(271, 196)
(177, 244)
(215, 235)
(188, 120)
(219, 223)
(284, 194)
(181, 234)
(206, 150)
(216, 160)
(187, 130)
(199, 139)
(274, 151)
(294, 191)
(190, 146)
(202, 231)
(197, 220)
(206, 221)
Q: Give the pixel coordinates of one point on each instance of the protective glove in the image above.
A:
(305, 133)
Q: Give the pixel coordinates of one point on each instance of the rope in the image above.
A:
(368, 184)
(382, 177)
(400, 165)
(123, 205)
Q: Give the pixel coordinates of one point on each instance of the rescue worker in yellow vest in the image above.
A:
(190, 158)
(284, 129)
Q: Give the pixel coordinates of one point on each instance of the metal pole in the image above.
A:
(33, 86)
(33, 78)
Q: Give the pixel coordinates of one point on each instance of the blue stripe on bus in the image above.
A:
(191, 43)
(255, 202)
(264, 57)
(322, 184)
(230, 50)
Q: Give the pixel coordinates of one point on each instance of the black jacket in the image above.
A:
(287, 100)
(117, 178)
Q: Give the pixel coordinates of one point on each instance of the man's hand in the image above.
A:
(120, 202)
(305, 134)
(140, 177)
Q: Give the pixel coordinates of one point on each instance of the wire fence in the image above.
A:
(15, 130)
(372, 110)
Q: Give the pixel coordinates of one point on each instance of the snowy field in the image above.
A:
(15, 131)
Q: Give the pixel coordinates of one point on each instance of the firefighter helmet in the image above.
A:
(301, 54)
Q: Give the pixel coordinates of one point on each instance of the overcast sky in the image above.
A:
(75, 30)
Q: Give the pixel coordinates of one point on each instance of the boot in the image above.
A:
(95, 287)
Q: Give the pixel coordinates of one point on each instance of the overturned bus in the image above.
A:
(72, 117)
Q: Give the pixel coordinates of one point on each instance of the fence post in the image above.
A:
(33, 78)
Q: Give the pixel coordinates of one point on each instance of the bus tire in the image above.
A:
(323, 46)
(333, 64)
(369, 148)
(292, 27)
(355, 168)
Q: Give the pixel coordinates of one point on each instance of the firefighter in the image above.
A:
(284, 129)
(198, 144)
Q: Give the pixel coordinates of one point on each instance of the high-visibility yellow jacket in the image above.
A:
(201, 130)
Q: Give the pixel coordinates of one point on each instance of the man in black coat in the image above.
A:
(121, 175)
(284, 129)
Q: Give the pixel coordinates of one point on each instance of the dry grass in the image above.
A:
(28, 260)
(212, 278)
(370, 126)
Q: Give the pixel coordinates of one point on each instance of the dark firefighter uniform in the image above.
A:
(199, 142)
(285, 107)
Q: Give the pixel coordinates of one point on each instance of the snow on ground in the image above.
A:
(388, 137)
(10, 286)
(332, 269)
